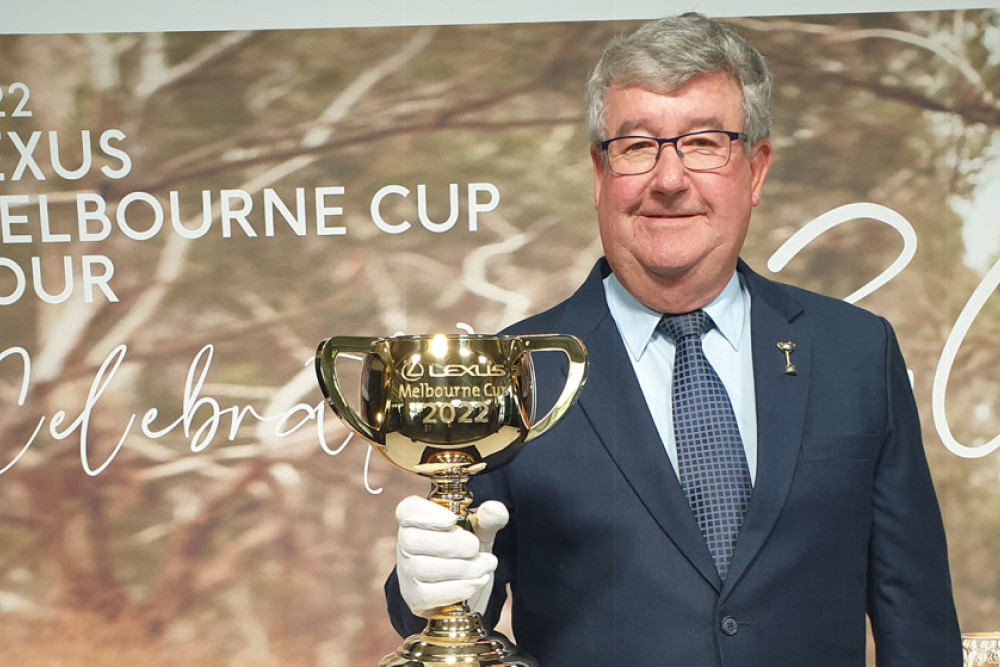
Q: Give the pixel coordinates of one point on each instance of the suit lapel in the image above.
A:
(781, 402)
(616, 409)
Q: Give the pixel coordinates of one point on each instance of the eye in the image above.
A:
(706, 141)
(634, 145)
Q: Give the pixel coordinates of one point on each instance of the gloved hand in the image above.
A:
(437, 562)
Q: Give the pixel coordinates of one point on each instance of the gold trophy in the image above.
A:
(449, 406)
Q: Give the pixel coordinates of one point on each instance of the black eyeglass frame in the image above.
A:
(733, 136)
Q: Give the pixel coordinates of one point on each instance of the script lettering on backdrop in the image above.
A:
(824, 223)
(200, 430)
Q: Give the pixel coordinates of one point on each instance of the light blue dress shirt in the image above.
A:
(727, 347)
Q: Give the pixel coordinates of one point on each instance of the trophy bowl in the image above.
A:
(449, 406)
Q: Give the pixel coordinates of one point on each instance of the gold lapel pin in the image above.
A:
(788, 347)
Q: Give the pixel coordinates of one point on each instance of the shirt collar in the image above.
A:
(637, 323)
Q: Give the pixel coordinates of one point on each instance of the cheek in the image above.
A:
(611, 203)
(732, 233)
(609, 224)
(732, 204)
(615, 227)
(621, 194)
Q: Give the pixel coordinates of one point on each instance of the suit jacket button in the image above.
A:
(729, 626)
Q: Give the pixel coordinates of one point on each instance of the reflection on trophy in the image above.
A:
(981, 649)
(448, 407)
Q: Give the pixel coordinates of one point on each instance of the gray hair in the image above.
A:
(665, 54)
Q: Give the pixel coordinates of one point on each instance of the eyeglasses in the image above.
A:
(699, 151)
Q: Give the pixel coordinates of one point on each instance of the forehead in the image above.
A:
(712, 101)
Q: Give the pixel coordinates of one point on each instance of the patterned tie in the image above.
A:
(710, 457)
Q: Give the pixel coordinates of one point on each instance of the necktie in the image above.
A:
(711, 461)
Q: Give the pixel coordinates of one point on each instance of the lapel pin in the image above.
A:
(788, 347)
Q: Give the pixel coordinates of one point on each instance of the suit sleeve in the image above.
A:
(909, 588)
(403, 620)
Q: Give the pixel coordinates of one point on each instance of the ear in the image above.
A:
(760, 164)
(597, 158)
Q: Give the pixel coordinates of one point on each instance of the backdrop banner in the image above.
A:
(184, 215)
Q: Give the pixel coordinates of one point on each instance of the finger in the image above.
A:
(455, 543)
(428, 569)
(420, 512)
(428, 596)
(491, 516)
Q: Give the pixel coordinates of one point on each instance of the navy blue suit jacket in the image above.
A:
(606, 562)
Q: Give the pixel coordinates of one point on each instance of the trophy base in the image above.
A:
(469, 645)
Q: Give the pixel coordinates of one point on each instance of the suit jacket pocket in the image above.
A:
(858, 447)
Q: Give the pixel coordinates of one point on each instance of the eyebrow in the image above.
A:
(704, 123)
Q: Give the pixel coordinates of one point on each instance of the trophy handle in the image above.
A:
(575, 377)
(326, 372)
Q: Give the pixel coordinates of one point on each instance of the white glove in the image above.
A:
(438, 563)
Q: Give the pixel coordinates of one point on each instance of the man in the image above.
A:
(829, 516)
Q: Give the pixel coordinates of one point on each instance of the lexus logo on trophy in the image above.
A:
(448, 407)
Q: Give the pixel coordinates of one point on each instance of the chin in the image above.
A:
(671, 265)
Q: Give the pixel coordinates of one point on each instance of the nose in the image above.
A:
(669, 174)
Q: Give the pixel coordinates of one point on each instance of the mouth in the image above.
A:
(668, 215)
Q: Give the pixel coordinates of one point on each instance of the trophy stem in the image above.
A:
(450, 488)
(454, 622)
